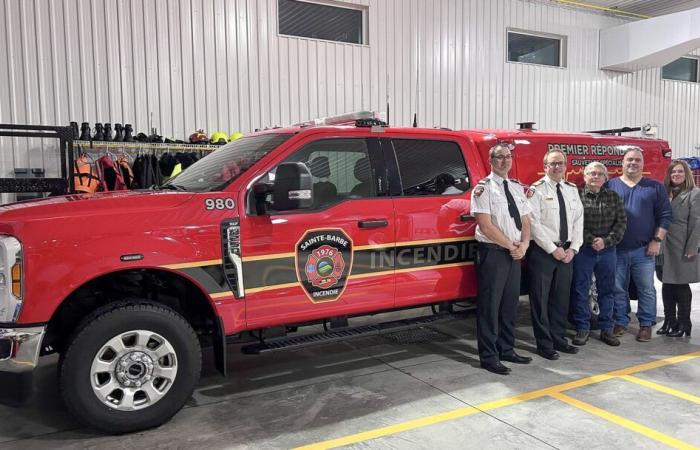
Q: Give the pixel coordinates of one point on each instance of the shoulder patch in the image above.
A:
(530, 192)
(478, 190)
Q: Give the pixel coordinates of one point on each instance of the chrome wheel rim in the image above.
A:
(133, 370)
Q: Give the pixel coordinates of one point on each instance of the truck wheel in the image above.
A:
(130, 366)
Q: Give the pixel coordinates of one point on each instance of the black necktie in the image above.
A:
(512, 208)
(563, 224)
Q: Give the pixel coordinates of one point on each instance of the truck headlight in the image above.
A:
(11, 278)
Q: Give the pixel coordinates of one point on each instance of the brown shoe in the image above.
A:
(644, 334)
(619, 330)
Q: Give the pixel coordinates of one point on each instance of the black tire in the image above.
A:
(109, 323)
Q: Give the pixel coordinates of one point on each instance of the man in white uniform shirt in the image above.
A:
(503, 235)
(557, 232)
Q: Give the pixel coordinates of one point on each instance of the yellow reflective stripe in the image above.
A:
(549, 391)
(188, 265)
(392, 429)
(662, 388)
(626, 423)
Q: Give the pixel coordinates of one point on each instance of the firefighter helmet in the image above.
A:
(235, 135)
(198, 137)
(219, 138)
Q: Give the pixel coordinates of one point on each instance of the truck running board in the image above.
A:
(271, 345)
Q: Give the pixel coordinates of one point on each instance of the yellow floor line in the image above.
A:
(662, 388)
(462, 412)
(626, 423)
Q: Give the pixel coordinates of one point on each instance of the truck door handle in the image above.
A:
(466, 218)
(373, 223)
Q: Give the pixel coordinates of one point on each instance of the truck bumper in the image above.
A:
(19, 355)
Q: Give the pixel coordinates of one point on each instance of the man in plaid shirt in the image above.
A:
(604, 224)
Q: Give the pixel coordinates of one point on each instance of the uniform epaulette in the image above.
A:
(571, 184)
(483, 181)
(513, 180)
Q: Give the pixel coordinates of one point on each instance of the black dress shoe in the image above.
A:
(548, 354)
(568, 349)
(497, 368)
(517, 359)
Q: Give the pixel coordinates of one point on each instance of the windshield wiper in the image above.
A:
(174, 187)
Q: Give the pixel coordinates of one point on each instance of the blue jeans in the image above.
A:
(637, 266)
(587, 262)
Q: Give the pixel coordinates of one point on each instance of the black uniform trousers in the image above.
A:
(498, 277)
(550, 288)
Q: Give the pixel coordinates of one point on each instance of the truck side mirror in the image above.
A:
(293, 188)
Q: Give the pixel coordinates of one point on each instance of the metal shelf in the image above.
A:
(105, 145)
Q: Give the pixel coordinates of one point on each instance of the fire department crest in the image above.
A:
(324, 260)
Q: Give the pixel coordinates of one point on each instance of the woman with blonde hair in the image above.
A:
(679, 258)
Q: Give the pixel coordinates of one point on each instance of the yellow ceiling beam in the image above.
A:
(602, 8)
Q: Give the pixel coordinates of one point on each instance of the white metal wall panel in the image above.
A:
(179, 65)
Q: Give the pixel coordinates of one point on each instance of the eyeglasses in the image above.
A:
(596, 174)
(556, 164)
(502, 157)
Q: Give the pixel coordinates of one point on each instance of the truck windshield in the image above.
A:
(219, 169)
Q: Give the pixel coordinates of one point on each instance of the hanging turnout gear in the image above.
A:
(111, 178)
(85, 176)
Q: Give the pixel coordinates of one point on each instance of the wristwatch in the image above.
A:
(657, 239)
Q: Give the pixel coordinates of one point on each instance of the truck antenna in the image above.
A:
(415, 120)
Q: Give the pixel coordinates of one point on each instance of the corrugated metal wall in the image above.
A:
(178, 65)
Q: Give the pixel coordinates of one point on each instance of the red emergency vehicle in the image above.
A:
(314, 223)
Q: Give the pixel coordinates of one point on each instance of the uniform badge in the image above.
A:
(531, 191)
(478, 190)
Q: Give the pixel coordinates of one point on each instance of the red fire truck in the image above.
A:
(315, 223)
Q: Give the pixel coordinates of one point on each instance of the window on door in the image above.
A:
(341, 170)
(430, 167)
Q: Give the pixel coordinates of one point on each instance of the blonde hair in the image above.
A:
(689, 182)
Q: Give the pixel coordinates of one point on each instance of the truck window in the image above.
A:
(216, 171)
(430, 167)
(341, 169)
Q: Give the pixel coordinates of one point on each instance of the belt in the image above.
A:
(564, 245)
(492, 246)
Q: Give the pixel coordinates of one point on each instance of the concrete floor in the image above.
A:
(426, 384)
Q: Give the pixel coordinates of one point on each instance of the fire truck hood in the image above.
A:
(90, 205)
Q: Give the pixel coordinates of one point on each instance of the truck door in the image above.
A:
(333, 258)
(434, 253)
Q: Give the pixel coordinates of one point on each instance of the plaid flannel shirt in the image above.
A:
(603, 216)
